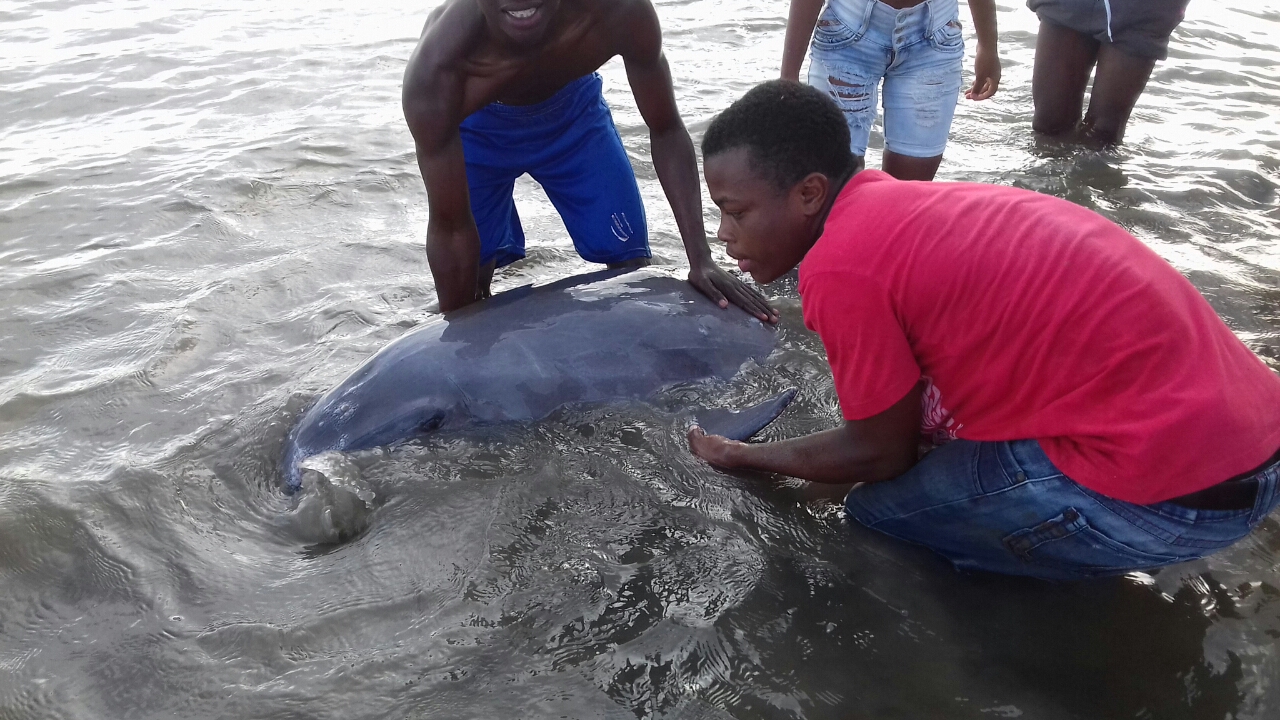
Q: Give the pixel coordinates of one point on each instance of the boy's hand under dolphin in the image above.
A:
(714, 449)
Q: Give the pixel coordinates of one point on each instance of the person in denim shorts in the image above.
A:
(1122, 38)
(915, 48)
(1089, 413)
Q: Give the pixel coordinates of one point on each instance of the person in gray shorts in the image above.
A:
(1124, 38)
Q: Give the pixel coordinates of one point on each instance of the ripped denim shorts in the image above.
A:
(917, 52)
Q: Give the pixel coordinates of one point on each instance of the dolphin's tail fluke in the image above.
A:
(742, 424)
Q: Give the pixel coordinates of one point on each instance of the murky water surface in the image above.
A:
(210, 213)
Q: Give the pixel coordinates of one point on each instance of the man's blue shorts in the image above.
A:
(1005, 507)
(569, 144)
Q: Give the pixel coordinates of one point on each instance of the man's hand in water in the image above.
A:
(723, 288)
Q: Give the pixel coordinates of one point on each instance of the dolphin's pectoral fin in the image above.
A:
(742, 424)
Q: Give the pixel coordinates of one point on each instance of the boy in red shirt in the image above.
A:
(1094, 414)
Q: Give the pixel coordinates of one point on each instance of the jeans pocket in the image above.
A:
(1069, 543)
(948, 39)
(831, 33)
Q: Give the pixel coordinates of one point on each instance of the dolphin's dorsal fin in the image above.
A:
(742, 424)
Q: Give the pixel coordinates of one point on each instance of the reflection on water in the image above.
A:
(209, 215)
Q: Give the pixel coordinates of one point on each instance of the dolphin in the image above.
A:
(522, 354)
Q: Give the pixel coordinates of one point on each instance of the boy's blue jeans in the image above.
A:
(1004, 507)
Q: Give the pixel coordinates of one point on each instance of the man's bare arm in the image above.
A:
(878, 448)
(675, 161)
(453, 242)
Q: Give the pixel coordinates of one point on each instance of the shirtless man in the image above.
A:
(499, 88)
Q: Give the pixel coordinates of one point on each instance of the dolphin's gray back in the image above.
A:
(521, 355)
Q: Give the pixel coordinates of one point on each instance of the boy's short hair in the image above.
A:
(791, 130)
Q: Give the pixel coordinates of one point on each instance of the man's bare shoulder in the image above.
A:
(435, 75)
(632, 26)
(626, 10)
(450, 33)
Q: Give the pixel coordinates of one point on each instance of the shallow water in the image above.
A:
(210, 214)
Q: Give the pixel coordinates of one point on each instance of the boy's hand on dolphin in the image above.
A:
(723, 288)
(717, 450)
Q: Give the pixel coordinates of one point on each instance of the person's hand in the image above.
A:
(715, 449)
(986, 74)
(723, 288)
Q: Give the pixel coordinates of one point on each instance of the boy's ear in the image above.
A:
(812, 190)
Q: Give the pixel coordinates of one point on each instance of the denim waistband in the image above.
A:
(589, 83)
(1268, 488)
(929, 16)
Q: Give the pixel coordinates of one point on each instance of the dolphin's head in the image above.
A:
(359, 417)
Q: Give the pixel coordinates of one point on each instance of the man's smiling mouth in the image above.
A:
(522, 14)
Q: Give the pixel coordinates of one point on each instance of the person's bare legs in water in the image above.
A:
(1064, 59)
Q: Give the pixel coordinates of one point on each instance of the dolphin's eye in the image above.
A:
(431, 423)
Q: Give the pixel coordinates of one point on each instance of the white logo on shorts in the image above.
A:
(620, 227)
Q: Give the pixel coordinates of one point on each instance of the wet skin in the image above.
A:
(474, 52)
(768, 230)
(1064, 59)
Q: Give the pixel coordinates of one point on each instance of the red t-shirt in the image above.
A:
(1031, 317)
